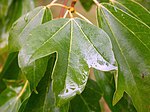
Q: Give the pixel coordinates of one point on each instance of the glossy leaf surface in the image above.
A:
(81, 46)
(22, 27)
(135, 9)
(131, 45)
(18, 35)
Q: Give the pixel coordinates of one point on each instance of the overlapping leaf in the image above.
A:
(45, 95)
(106, 82)
(131, 44)
(11, 98)
(15, 10)
(87, 5)
(11, 68)
(22, 27)
(79, 46)
(18, 35)
(88, 101)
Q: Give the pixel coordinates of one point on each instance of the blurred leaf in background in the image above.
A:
(10, 11)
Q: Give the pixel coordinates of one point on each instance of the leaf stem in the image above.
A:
(71, 16)
(80, 15)
(97, 3)
(23, 89)
(66, 13)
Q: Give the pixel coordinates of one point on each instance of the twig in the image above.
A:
(80, 15)
(65, 15)
(62, 9)
(73, 3)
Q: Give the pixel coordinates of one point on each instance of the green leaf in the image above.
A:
(106, 82)
(44, 102)
(18, 35)
(22, 27)
(35, 71)
(86, 4)
(11, 97)
(135, 9)
(13, 13)
(45, 96)
(88, 101)
(125, 104)
(79, 46)
(3, 86)
(11, 68)
(144, 3)
(131, 45)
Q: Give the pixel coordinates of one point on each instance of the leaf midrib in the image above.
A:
(135, 35)
(86, 104)
(90, 41)
(118, 44)
(30, 59)
(122, 55)
(127, 9)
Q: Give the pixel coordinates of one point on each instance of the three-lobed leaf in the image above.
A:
(81, 46)
(131, 46)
